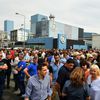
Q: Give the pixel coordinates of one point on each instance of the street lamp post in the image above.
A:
(24, 27)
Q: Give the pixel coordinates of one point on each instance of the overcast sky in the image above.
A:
(80, 13)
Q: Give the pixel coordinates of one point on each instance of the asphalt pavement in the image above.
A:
(10, 94)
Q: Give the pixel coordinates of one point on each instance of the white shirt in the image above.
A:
(95, 89)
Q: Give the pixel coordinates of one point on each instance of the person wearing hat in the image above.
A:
(76, 57)
(95, 55)
(3, 67)
(90, 59)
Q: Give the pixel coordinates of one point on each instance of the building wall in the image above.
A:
(79, 47)
(88, 35)
(71, 32)
(56, 28)
(8, 26)
(50, 43)
(80, 33)
(44, 28)
(75, 32)
(59, 29)
(96, 41)
(18, 35)
(50, 28)
(33, 28)
(41, 26)
(41, 42)
(3, 39)
(72, 43)
(36, 18)
(68, 31)
(13, 35)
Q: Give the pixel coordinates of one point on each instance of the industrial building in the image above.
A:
(96, 41)
(18, 37)
(47, 29)
(8, 26)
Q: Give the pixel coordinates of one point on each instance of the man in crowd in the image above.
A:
(3, 67)
(7, 60)
(38, 87)
(56, 65)
(21, 75)
(63, 75)
(31, 69)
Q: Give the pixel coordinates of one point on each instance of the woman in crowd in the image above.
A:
(94, 82)
(85, 66)
(76, 88)
(90, 59)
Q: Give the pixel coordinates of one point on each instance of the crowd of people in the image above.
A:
(51, 74)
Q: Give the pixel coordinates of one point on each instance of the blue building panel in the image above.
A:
(80, 47)
(48, 42)
(61, 41)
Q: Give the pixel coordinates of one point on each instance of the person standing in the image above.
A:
(94, 82)
(63, 76)
(31, 69)
(38, 87)
(8, 71)
(76, 57)
(76, 88)
(21, 75)
(3, 67)
(56, 65)
(15, 72)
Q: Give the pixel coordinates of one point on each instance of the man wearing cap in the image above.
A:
(76, 57)
(3, 67)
